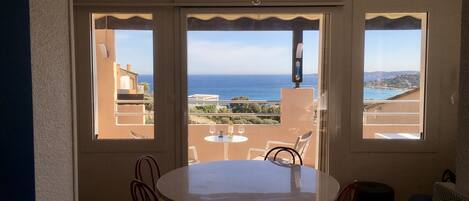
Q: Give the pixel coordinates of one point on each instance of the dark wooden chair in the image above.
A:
(147, 171)
(277, 150)
(366, 191)
(142, 192)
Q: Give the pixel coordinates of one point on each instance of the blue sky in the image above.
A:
(266, 52)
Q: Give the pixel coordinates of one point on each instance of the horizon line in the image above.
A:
(287, 73)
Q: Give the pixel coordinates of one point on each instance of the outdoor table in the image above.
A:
(236, 180)
(225, 139)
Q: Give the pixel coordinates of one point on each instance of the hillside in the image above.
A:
(381, 75)
(403, 81)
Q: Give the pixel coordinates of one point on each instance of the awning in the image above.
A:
(394, 21)
(257, 21)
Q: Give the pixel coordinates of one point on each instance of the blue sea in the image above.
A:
(257, 87)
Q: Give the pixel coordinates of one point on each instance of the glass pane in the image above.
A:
(241, 88)
(123, 75)
(394, 76)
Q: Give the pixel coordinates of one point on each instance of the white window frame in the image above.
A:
(432, 61)
(163, 136)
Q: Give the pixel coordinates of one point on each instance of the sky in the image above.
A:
(266, 52)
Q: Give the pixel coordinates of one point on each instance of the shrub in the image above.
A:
(225, 120)
(207, 108)
(269, 121)
(241, 121)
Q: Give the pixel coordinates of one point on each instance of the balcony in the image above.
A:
(383, 119)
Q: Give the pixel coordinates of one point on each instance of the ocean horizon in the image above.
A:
(258, 87)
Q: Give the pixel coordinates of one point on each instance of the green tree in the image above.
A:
(244, 107)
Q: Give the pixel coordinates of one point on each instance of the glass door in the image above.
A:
(254, 81)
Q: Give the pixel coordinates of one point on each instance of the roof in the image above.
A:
(408, 92)
(131, 72)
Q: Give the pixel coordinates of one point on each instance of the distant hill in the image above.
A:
(402, 81)
(381, 75)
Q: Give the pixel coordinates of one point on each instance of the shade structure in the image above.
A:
(253, 21)
(394, 21)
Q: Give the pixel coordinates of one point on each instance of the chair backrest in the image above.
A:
(276, 150)
(348, 193)
(148, 162)
(302, 143)
(141, 191)
(135, 135)
(193, 157)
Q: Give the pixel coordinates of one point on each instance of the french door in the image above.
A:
(132, 84)
(256, 75)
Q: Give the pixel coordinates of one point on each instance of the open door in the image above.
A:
(255, 80)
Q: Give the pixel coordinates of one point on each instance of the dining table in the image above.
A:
(235, 180)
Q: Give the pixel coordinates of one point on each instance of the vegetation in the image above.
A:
(258, 108)
(404, 81)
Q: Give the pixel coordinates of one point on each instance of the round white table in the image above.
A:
(225, 139)
(247, 180)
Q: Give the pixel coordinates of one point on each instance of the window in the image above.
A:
(123, 75)
(394, 76)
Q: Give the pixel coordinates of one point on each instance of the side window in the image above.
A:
(394, 76)
(123, 75)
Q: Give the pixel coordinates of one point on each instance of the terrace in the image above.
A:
(383, 119)
(125, 105)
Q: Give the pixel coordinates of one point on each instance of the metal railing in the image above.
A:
(391, 114)
(272, 102)
(227, 102)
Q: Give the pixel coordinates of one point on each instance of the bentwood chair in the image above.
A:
(142, 192)
(277, 150)
(152, 173)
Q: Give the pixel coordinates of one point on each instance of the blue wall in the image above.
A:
(16, 118)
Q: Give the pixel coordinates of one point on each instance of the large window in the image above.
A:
(123, 75)
(394, 76)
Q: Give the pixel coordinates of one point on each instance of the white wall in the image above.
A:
(462, 163)
(52, 106)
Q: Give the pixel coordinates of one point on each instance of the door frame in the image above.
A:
(330, 14)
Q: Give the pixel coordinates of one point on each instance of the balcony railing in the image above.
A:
(271, 102)
(133, 102)
(391, 114)
(227, 102)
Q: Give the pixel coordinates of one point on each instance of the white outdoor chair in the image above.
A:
(301, 146)
(136, 136)
(193, 158)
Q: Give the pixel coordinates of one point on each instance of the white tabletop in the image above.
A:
(247, 180)
(226, 138)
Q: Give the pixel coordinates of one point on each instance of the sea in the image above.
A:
(258, 87)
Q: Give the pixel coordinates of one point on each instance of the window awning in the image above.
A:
(394, 21)
(257, 21)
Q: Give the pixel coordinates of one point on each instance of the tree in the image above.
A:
(244, 107)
